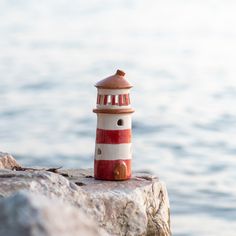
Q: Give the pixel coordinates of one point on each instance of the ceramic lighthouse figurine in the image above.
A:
(113, 151)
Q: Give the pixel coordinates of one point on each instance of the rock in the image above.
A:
(139, 206)
(26, 214)
(7, 161)
(43, 182)
(136, 207)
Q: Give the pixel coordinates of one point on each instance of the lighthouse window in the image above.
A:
(120, 122)
(114, 99)
(105, 100)
(120, 100)
(99, 99)
(99, 151)
(126, 99)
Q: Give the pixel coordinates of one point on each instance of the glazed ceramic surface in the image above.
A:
(113, 149)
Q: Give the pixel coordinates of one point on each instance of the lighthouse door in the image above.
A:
(120, 171)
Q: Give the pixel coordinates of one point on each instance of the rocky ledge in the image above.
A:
(63, 202)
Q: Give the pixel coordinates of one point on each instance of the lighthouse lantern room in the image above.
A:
(113, 151)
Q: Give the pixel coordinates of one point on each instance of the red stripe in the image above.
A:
(105, 100)
(113, 100)
(120, 100)
(126, 99)
(104, 169)
(113, 136)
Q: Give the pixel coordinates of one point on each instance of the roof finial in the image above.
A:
(120, 73)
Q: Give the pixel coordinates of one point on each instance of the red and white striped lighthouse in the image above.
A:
(113, 151)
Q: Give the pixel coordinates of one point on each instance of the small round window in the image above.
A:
(99, 151)
(120, 122)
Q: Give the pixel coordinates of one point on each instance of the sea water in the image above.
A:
(179, 55)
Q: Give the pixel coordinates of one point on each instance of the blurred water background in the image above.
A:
(180, 56)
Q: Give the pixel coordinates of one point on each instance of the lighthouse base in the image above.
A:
(112, 169)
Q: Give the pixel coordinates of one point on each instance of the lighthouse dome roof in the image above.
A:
(116, 81)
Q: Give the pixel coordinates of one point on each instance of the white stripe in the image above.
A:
(109, 121)
(113, 151)
(109, 106)
(113, 91)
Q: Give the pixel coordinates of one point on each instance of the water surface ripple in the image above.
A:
(180, 56)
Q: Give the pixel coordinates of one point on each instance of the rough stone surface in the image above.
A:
(139, 206)
(136, 207)
(49, 184)
(7, 161)
(26, 214)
